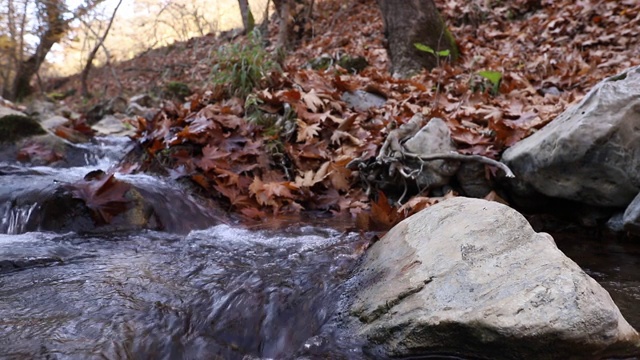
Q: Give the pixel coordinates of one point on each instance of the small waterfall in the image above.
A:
(15, 218)
(25, 190)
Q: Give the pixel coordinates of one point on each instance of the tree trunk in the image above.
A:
(56, 28)
(85, 72)
(21, 86)
(247, 17)
(411, 22)
(294, 17)
(283, 9)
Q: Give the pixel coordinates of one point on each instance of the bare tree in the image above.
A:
(99, 42)
(54, 19)
(247, 17)
(411, 22)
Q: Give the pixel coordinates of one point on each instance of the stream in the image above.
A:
(205, 291)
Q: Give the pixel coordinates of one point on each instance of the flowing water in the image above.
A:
(220, 292)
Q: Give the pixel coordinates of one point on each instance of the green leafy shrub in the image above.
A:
(241, 67)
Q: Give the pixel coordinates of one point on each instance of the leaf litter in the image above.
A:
(523, 63)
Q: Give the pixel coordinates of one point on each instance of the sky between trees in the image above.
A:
(144, 24)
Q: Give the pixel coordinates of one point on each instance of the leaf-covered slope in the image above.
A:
(523, 62)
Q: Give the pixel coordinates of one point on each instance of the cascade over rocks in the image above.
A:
(591, 152)
(471, 277)
(100, 203)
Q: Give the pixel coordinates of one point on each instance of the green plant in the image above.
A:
(495, 77)
(429, 49)
(242, 67)
(273, 125)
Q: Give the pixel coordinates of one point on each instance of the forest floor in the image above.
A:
(286, 147)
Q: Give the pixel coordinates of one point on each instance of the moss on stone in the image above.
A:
(16, 127)
(453, 46)
(176, 89)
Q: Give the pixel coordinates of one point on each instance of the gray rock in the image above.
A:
(4, 111)
(591, 152)
(143, 100)
(362, 101)
(117, 105)
(472, 277)
(433, 138)
(616, 222)
(52, 122)
(112, 125)
(40, 108)
(137, 110)
(66, 112)
(631, 217)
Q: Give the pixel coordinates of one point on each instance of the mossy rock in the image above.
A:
(321, 63)
(17, 127)
(353, 63)
(177, 90)
(350, 63)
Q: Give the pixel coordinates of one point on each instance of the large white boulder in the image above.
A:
(471, 277)
(591, 152)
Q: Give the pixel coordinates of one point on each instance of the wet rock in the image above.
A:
(591, 152)
(473, 180)
(360, 100)
(41, 150)
(471, 277)
(100, 203)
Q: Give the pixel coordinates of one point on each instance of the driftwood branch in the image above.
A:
(463, 157)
